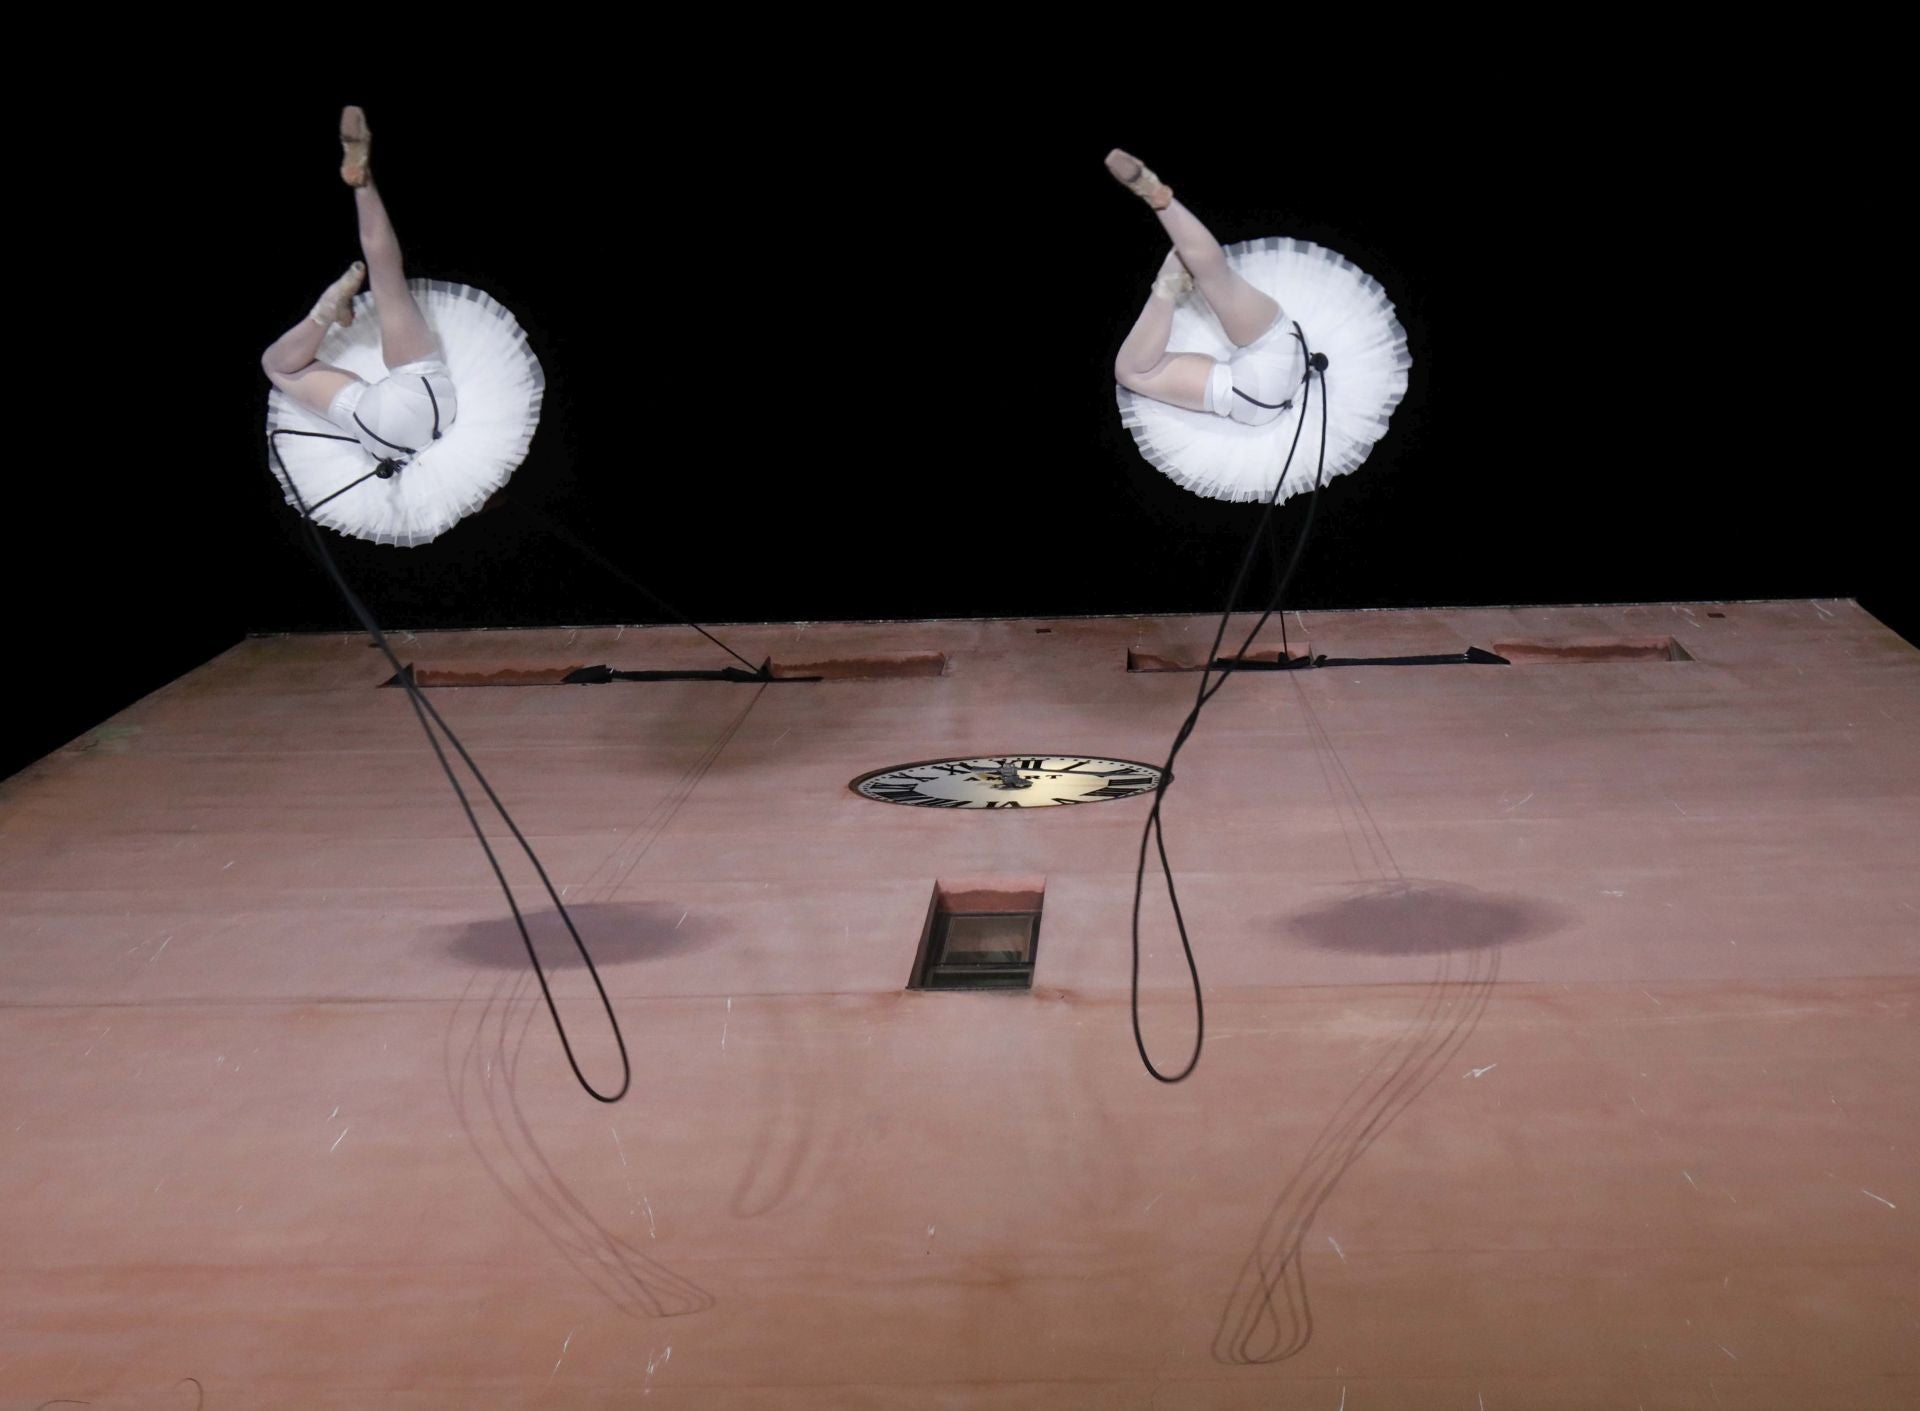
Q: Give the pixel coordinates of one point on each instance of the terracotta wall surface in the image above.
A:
(1561, 1045)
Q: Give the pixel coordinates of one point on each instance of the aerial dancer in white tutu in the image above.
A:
(416, 400)
(379, 445)
(405, 422)
(1209, 389)
(1282, 372)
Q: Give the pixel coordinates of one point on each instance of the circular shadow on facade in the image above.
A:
(617, 933)
(1419, 917)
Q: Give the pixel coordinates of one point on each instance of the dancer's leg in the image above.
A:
(290, 363)
(404, 335)
(1244, 311)
(1145, 366)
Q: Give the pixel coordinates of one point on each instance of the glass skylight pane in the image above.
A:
(987, 940)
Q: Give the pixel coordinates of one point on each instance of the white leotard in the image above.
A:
(1258, 382)
(398, 415)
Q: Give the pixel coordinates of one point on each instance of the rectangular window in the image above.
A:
(985, 951)
(980, 936)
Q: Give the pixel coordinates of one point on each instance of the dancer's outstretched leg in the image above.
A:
(1244, 311)
(1145, 366)
(290, 363)
(404, 334)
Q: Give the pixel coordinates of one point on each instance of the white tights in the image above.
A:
(291, 363)
(1144, 365)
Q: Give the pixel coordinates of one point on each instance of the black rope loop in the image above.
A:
(1154, 831)
(430, 720)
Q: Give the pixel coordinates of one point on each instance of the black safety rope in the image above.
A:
(382, 470)
(430, 720)
(385, 469)
(390, 445)
(427, 382)
(760, 672)
(1154, 831)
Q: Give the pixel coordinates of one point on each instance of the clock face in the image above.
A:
(1009, 781)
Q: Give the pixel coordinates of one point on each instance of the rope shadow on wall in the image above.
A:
(482, 1082)
(481, 1062)
(1269, 1314)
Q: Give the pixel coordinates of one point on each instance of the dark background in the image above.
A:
(840, 347)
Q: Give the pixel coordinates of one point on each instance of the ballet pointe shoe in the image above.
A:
(356, 147)
(336, 305)
(1132, 173)
(1174, 279)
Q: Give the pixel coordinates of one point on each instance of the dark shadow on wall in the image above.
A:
(617, 933)
(1419, 917)
(1269, 1315)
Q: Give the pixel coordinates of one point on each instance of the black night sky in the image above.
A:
(843, 350)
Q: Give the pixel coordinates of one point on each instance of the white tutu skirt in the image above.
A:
(1344, 314)
(500, 388)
